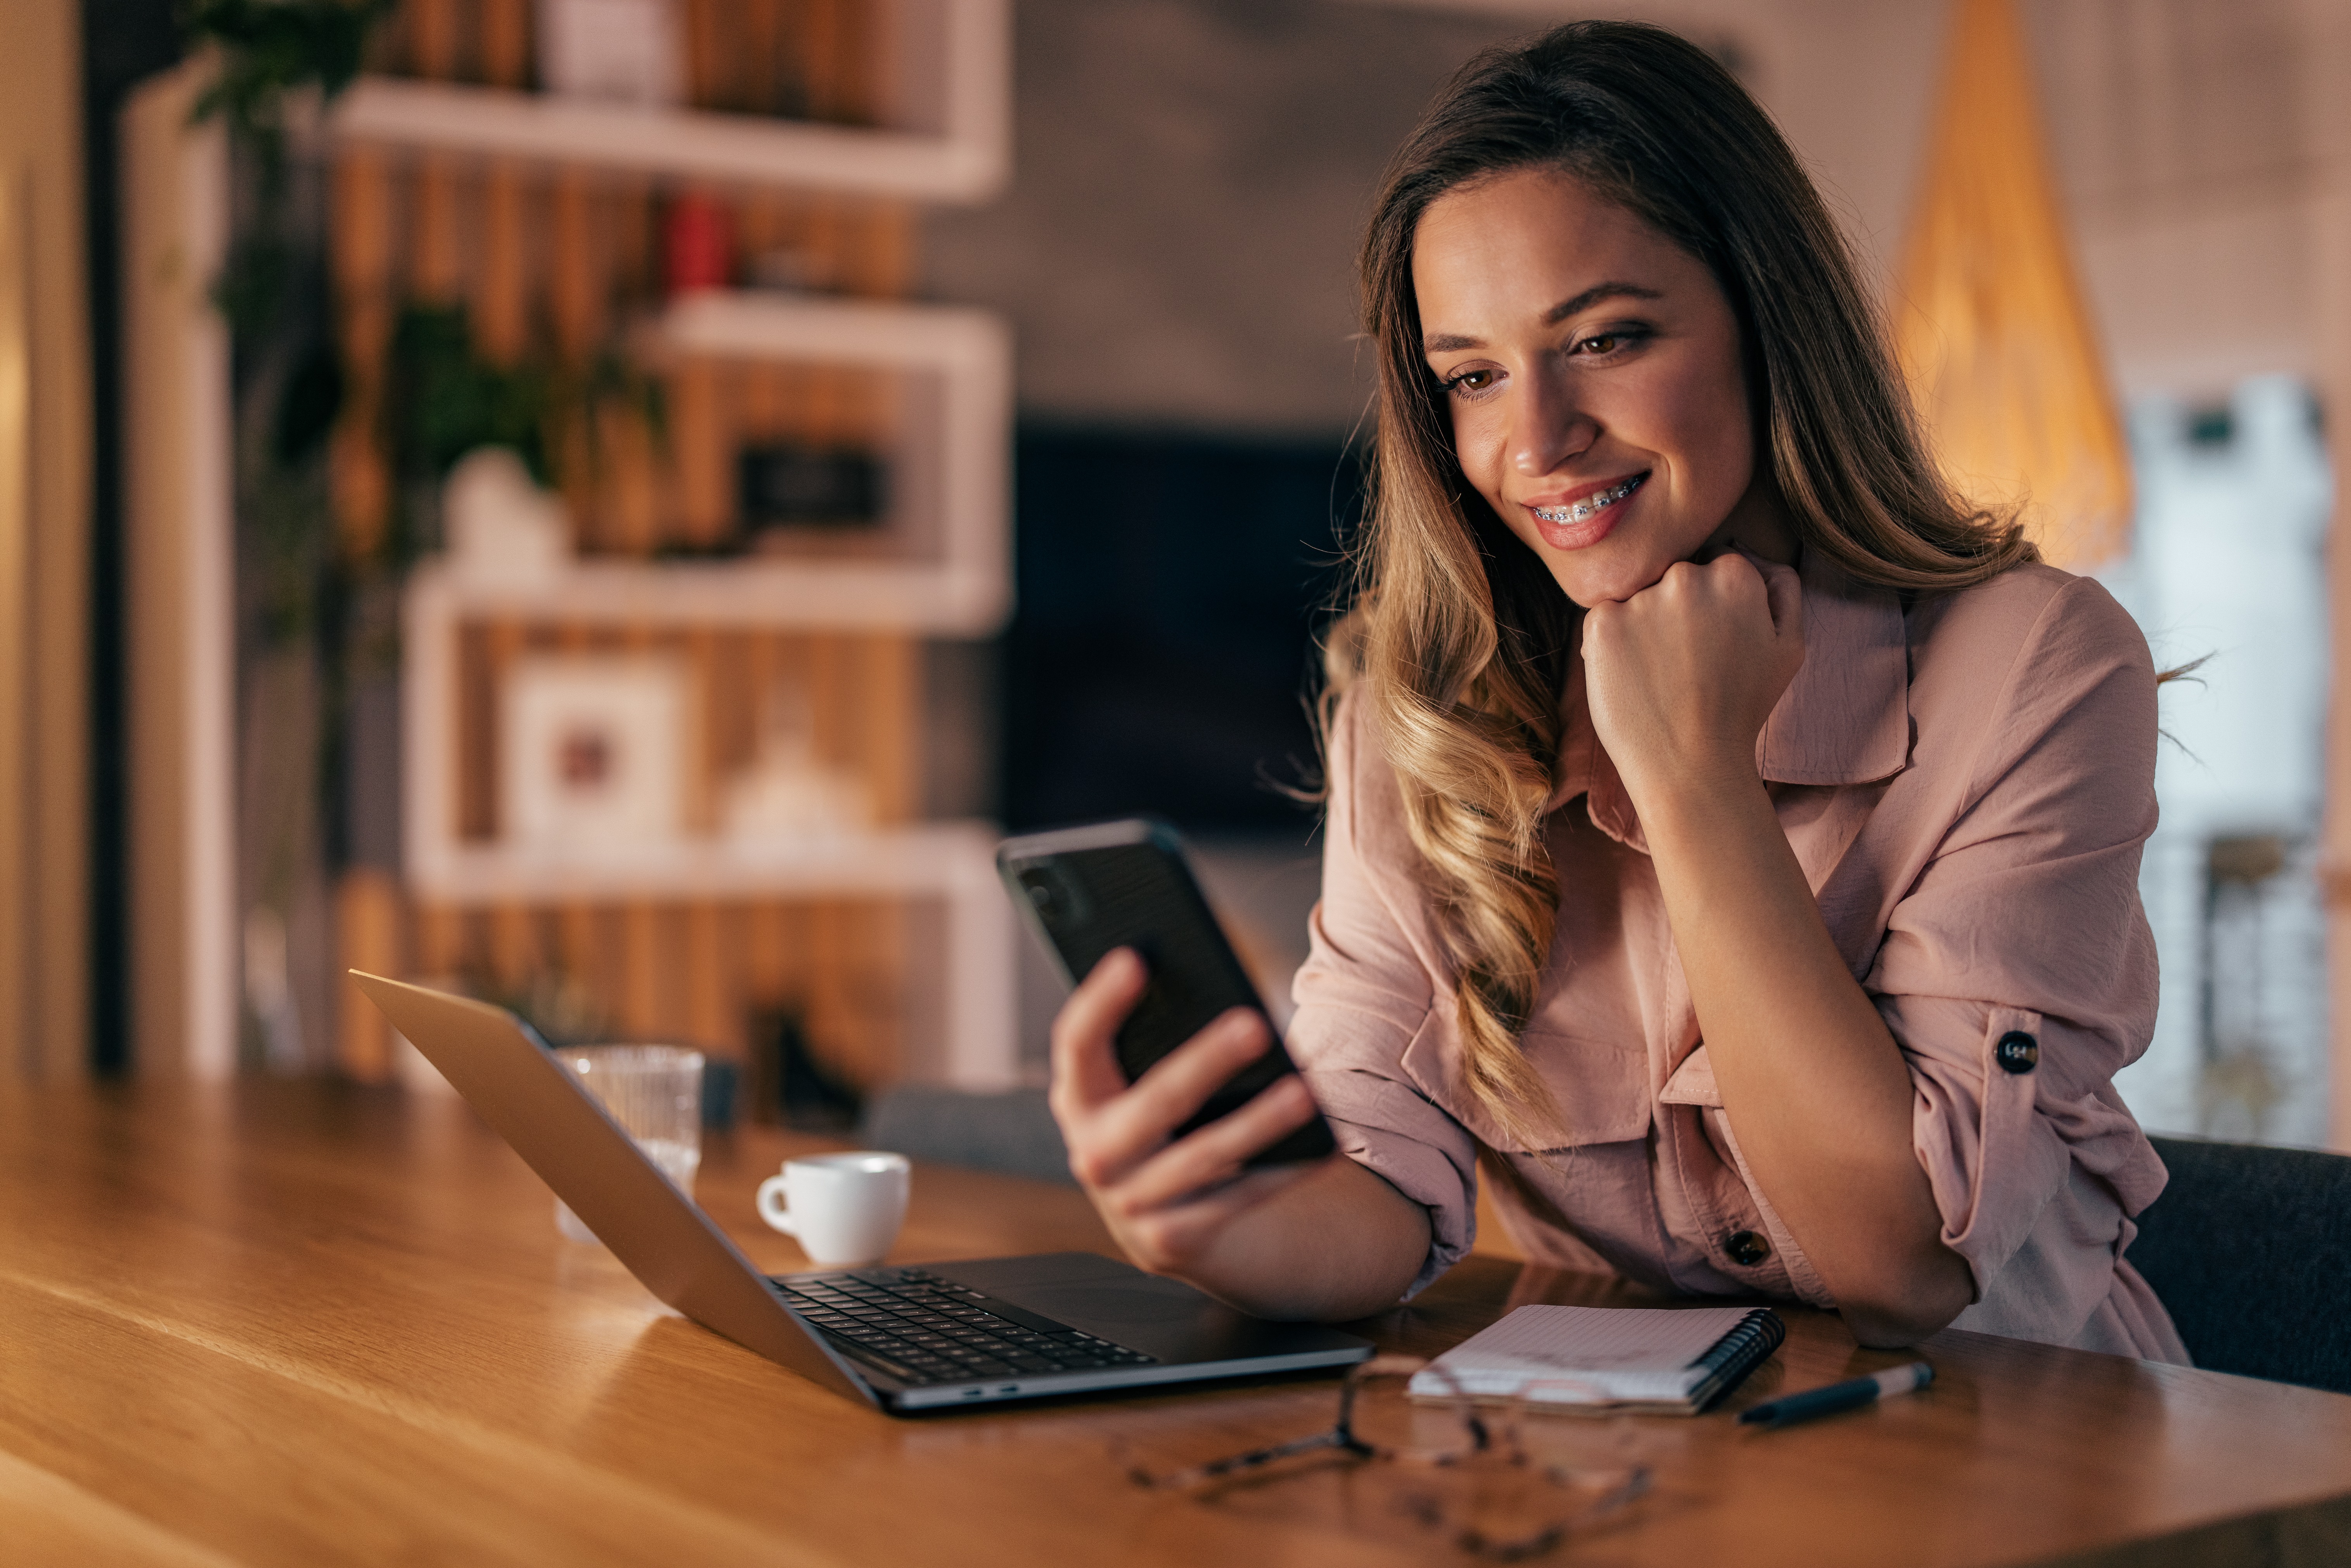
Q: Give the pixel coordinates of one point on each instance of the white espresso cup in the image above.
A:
(844, 1209)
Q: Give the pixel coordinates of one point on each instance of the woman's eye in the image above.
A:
(1471, 382)
(1600, 345)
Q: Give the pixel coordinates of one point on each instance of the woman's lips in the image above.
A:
(1587, 520)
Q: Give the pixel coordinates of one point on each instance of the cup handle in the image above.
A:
(772, 1206)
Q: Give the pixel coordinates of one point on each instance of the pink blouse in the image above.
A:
(1967, 786)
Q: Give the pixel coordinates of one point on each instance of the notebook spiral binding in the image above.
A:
(1737, 1353)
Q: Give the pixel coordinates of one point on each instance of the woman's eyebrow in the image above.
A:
(1450, 342)
(1593, 296)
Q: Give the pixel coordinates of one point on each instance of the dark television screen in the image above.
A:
(1170, 587)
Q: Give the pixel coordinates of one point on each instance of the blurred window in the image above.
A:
(2227, 560)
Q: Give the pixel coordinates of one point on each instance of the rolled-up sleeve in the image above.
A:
(1362, 994)
(2019, 974)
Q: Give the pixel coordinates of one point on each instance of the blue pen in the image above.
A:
(1794, 1408)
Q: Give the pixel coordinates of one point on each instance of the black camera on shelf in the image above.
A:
(793, 486)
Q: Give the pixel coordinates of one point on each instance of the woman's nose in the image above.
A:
(1549, 427)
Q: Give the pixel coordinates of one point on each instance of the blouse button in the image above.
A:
(1746, 1247)
(2017, 1051)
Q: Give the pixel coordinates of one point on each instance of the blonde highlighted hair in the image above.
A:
(1458, 644)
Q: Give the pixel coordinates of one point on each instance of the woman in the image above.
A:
(1733, 841)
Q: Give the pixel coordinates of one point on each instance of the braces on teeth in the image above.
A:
(1590, 506)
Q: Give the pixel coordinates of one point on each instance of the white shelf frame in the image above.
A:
(963, 591)
(950, 142)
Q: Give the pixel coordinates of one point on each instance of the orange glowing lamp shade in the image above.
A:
(1988, 317)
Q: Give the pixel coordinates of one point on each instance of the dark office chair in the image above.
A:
(1012, 1132)
(2251, 1250)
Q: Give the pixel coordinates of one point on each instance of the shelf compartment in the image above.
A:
(949, 139)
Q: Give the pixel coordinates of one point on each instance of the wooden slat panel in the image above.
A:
(629, 229)
(767, 221)
(854, 69)
(513, 958)
(434, 32)
(821, 227)
(874, 969)
(439, 941)
(628, 481)
(437, 231)
(712, 1009)
(361, 246)
(702, 451)
(890, 690)
(767, 972)
(767, 84)
(506, 42)
(502, 272)
(577, 307)
(579, 941)
(638, 1003)
(710, 59)
(823, 25)
(368, 922)
(732, 711)
(825, 991)
(885, 264)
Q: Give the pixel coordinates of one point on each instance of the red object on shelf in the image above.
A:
(698, 243)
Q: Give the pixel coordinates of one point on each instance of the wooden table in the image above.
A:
(305, 1322)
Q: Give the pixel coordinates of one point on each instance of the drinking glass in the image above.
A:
(654, 1092)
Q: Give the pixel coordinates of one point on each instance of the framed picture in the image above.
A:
(595, 752)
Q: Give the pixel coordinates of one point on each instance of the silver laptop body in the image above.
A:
(1133, 1329)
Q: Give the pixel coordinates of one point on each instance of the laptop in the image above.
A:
(904, 1338)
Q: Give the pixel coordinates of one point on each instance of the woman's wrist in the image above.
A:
(1699, 797)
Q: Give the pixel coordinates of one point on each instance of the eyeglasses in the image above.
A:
(1475, 1439)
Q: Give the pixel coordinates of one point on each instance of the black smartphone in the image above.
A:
(1090, 891)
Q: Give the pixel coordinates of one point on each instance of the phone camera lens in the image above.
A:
(1041, 894)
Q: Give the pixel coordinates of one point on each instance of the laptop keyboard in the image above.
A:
(924, 1329)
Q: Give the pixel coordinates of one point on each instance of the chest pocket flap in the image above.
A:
(1599, 1089)
(1692, 1082)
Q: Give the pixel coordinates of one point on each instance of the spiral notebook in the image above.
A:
(1613, 1358)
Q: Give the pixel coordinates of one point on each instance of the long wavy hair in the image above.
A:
(1458, 644)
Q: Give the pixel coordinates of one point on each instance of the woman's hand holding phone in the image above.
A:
(1169, 1201)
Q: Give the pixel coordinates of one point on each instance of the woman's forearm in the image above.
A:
(1340, 1244)
(1815, 1086)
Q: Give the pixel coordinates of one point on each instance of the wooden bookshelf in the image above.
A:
(811, 129)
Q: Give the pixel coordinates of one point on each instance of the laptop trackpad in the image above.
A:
(1130, 1305)
(1164, 1318)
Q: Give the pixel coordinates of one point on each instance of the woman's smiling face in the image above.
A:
(1592, 369)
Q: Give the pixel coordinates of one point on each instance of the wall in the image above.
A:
(1191, 176)
(43, 585)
